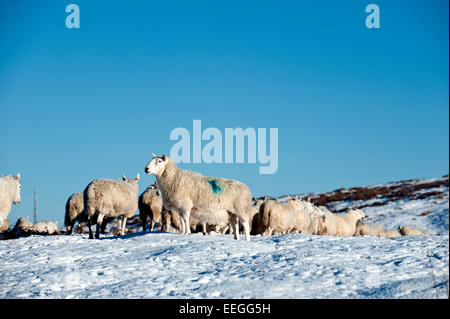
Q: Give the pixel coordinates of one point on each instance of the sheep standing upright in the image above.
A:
(189, 193)
(277, 218)
(346, 222)
(111, 198)
(9, 194)
(150, 206)
(75, 213)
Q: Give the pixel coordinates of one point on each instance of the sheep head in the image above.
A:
(157, 165)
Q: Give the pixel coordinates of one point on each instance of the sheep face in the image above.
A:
(17, 186)
(157, 165)
(359, 214)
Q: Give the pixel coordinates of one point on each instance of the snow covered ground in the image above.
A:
(165, 265)
(169, 265)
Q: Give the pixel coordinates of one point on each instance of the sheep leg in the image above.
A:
(103, 226)
(124, 222)
(70, 228)
(144, 223)
(204, 228)
(91, 236)
(151, 224)
(97, 231)
(182, 225)
(246, 231)
(235, 226)
(186, 215)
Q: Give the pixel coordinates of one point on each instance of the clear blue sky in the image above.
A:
(354, 106)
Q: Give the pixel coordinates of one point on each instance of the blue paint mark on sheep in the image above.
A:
(215, 186)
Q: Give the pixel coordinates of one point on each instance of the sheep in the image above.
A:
(409, 231)
(310, 219)
(327, 224)
(111, 198)
(277, 218)
(365, 229)
(23, 225)
(4, 226)
(75, 213)
(346, 222)
(189, 192)
(150, 205)
(9, 194)
(45, 227)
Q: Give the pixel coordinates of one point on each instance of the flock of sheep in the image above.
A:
(182, 200)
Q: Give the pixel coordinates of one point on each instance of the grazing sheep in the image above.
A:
(4, 226)
(204, 197)
(9, 194)
(111, 198)
(23, 225)
(45, 227)
(346, 222)
(150, 205)
(365, 229)
(75, 213)
(277, 218)
(409, 231)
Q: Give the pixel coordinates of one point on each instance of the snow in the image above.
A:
(169, 265)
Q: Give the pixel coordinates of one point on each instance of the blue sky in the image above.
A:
(353, 106)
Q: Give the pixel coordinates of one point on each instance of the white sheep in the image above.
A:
(204, 197)
(310, 219)
(111, 198)
(45, 227)
(409, 231)
(277, 218)
(346, 222)
(365, 229)
(327, 225)
(23, 225)
(150, 206)
(75, 213)
(9, 194)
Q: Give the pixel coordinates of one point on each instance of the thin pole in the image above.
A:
(35, 201)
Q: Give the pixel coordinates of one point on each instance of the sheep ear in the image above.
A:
(154, 155)
(138, 176)
(123, 177)
(164, 157)
(17, 176)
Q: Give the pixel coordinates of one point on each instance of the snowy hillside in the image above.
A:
(169, 265)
